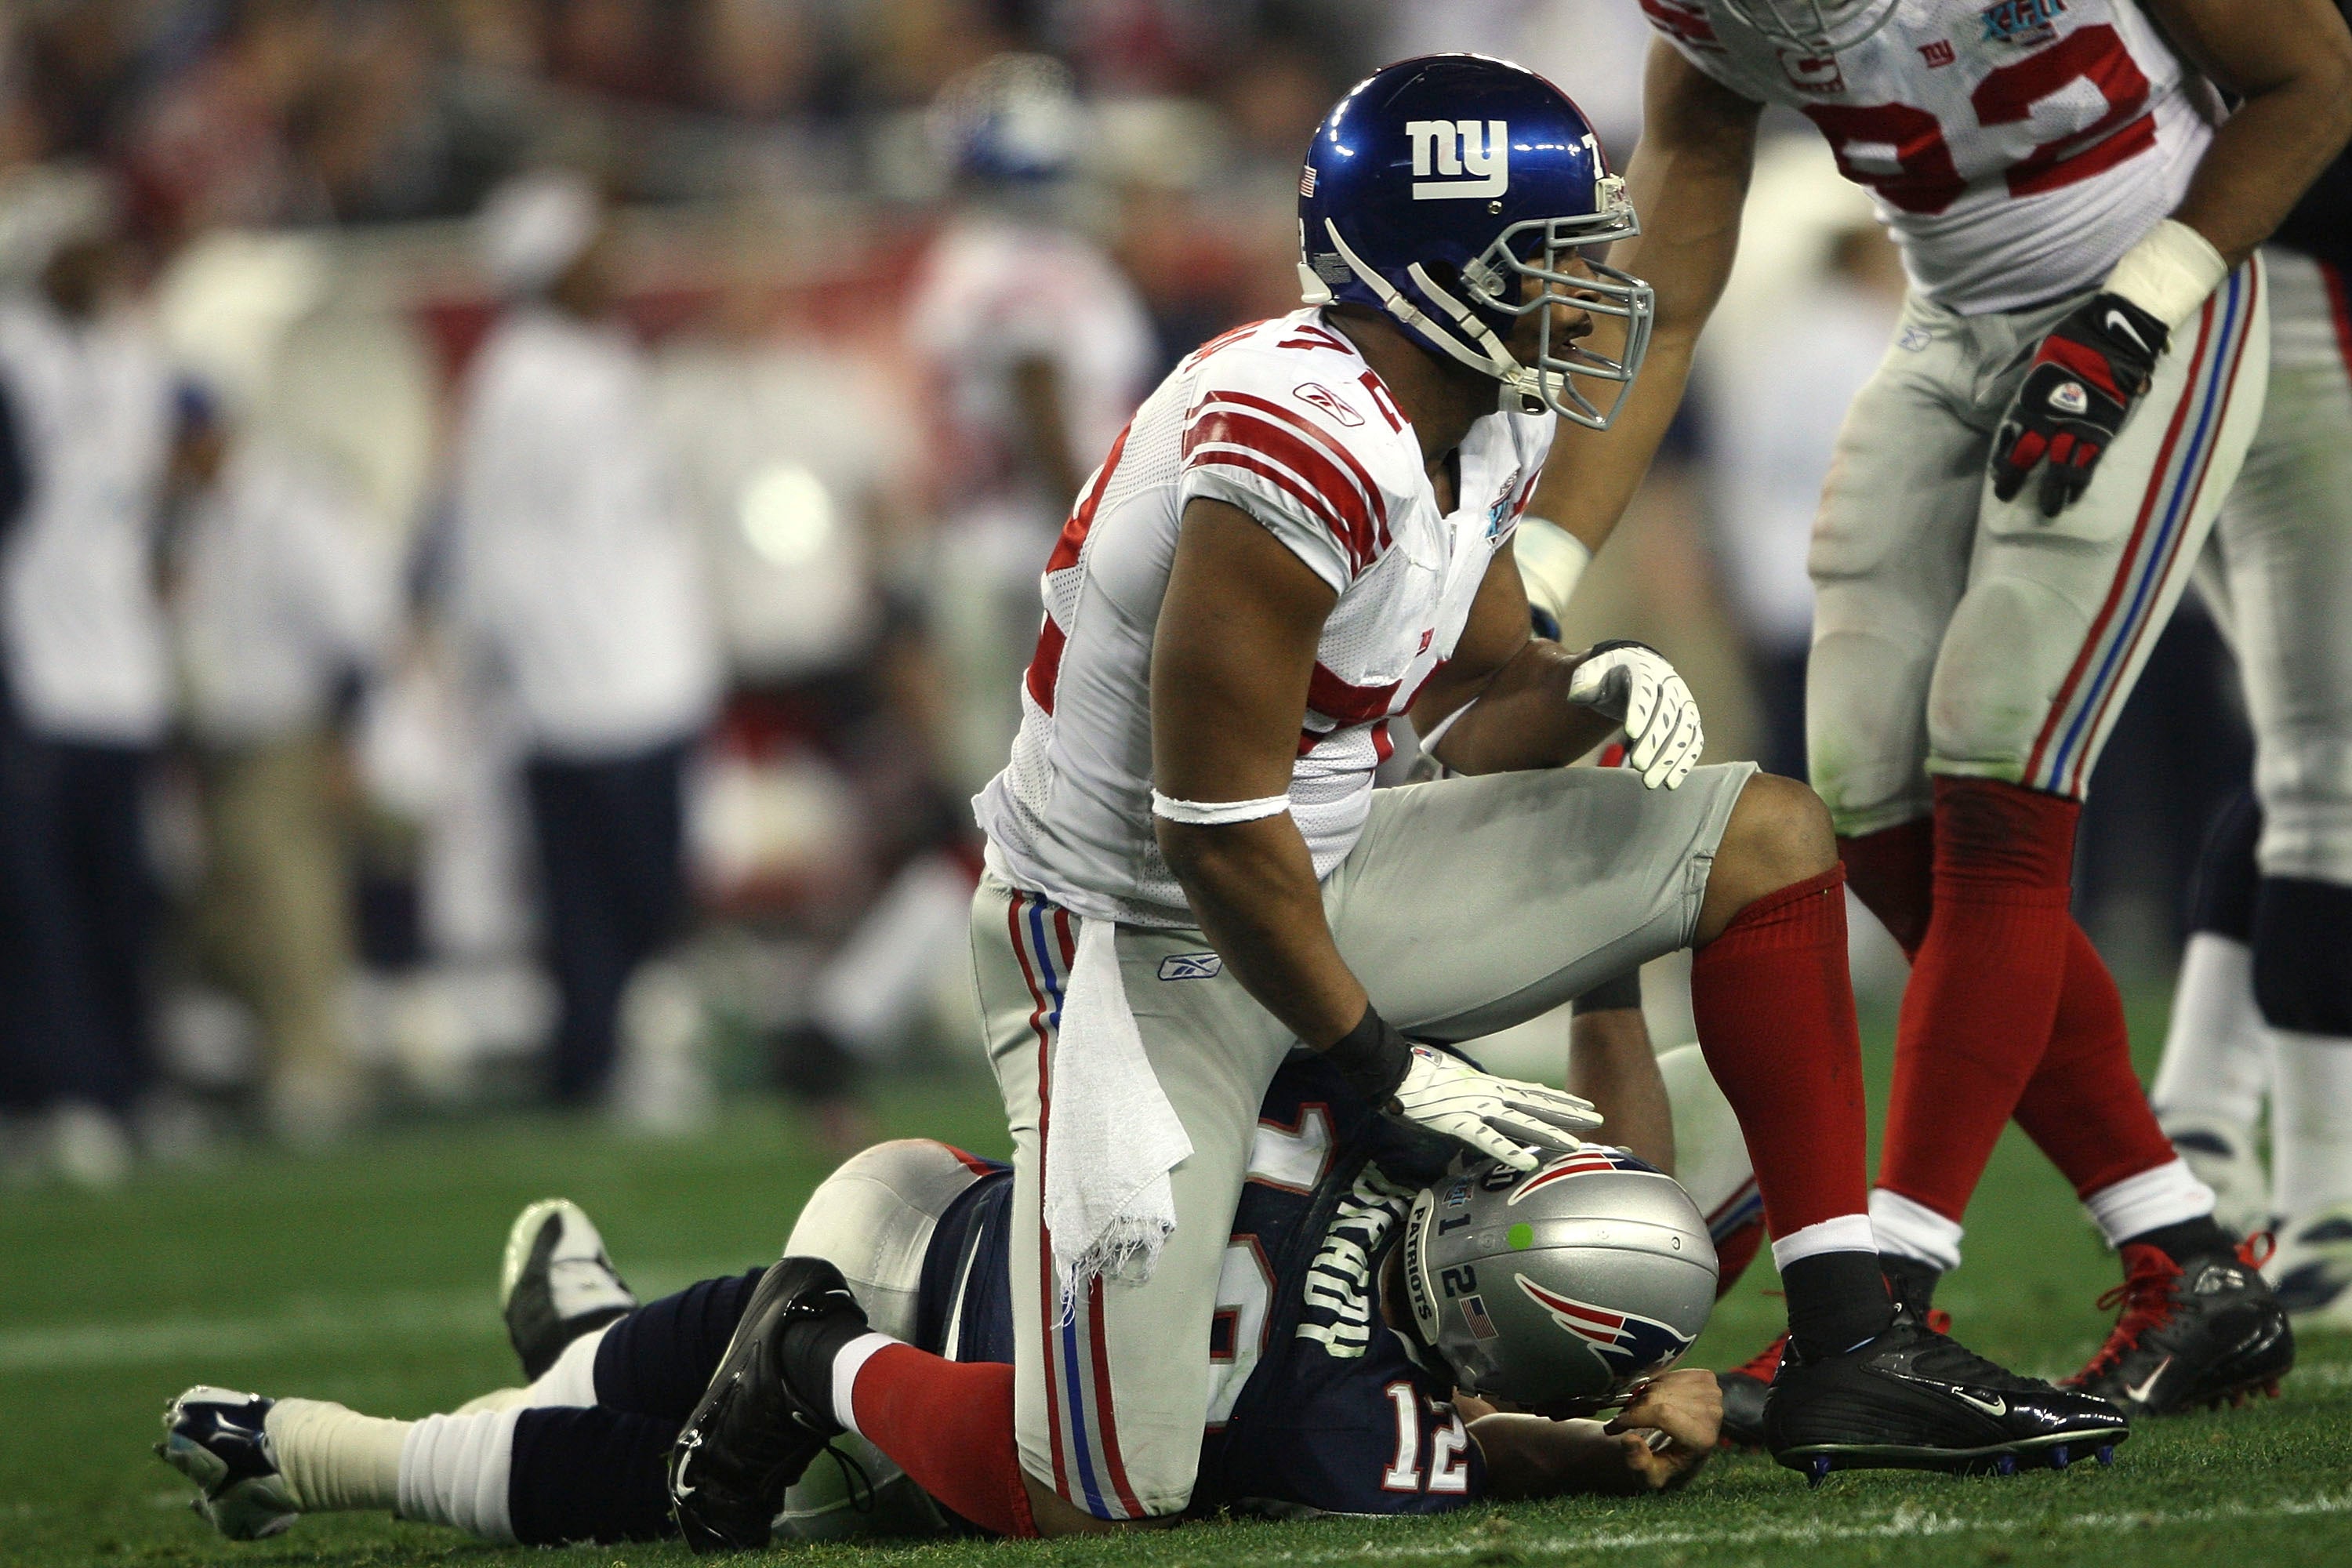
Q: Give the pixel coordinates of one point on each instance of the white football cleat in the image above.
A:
(2311, 1272)
(2222, 1155)
(556, 1283)
(218, 1439)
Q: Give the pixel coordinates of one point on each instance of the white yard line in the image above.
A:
(1905, 1524)
(307, 1324)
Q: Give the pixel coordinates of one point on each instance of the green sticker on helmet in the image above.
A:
(1521, 1237)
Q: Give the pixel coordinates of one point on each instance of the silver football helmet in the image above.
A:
(1558, 1290)
(1815, 26)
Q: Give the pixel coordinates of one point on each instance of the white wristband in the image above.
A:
(1551, 561)
(2169, 273)
(1217, 813)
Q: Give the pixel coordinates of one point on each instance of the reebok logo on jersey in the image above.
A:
(1453, 147)
(1320, 396)
(1191, 966)
(2068, 397)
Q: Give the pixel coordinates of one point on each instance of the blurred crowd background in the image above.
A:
(519, 520)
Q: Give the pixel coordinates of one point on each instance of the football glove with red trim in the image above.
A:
(2079, 389)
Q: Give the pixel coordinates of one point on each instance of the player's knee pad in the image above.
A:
(2303, 956)
(2223, 898)
(873, 1219)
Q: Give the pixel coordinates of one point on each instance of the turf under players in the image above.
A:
(1356, 1298)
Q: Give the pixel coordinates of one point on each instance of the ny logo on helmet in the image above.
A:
(1453, 147)
(1627, 1343)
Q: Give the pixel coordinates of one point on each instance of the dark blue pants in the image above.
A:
(77, 911)
(612, 888)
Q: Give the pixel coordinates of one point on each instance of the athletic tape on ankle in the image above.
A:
(2166, 1195)
(1911, 1228)
(846, 1366)
(1217, 813)
(1846, 1233)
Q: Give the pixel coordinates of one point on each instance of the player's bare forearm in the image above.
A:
(2291, 61)
(1610, 1063)
(1231, 660)
(1252, 886)
(1658, 1441)
(1509, 688)
(1523, 718)
(1688, 182)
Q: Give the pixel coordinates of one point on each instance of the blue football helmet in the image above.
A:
(1014, 121)
(1437, 186)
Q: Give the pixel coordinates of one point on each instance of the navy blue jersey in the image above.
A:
(1315, 1403)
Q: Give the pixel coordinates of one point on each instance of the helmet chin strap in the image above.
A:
(1496, 361)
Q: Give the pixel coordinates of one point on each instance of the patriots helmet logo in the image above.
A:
(1627, 1343)
(1592, 1160)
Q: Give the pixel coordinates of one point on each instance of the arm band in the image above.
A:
(1429, 742)
(1217, 813)
(1551, 561)
(1611, 995)
(2169, 273)
(1372, 1057)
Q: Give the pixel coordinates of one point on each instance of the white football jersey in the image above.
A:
(1285, 421)
(2016, 149)
(992, 293)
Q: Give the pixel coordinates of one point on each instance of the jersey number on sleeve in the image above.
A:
(1925, 179)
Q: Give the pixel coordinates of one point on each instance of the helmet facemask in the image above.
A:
(1561, 259)
(1818, 27)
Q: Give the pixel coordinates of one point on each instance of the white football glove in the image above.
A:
(1633, 684)
(1500, 1117)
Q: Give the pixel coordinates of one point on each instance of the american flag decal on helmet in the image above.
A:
(1306, 180)
(1627, 1343)
(1592, 1160)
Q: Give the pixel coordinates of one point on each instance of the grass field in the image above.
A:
(368, 1275)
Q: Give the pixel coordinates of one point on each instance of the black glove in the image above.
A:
(2084, 380)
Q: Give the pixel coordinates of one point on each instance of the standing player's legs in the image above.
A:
(2058, 616)
(2216, 1069)
(2288, 551)
(1109, 1398)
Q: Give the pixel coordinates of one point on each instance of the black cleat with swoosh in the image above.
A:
(1916, 1400)
(2191, 1334)
(753, 1432)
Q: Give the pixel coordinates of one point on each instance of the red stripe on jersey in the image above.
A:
(1082, 518)
(1046, 663)
(1305, 473)
(1324, 438)
(2339, 306)
(1345, 704)
(1222, 338)
(1316, 338)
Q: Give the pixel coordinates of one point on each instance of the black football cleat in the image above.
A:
(755, 1432)
(2191, 1334)
(1744, 1389)
(555, 1283)
(1913, 1399)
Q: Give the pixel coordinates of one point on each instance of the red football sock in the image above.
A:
(1983, 995)
(2083, 1106)
(948, 1424)
(1893, 872)
(1775, 1014)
